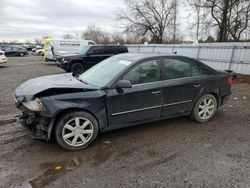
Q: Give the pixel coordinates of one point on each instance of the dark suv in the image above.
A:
(88, 56)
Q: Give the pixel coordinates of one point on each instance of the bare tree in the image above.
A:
(148, 18)
(240, 18)
(68, 36)
(95, 34)
(27, 41)
(174, 20)
(117, 38)
(196, 4)
(132, 38)
(45, 37)
(37, 41)
(77, 35)
(230, 16)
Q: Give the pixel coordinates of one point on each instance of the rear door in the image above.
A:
(140, 103)
(184, 81)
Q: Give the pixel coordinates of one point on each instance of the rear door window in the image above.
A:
(8, 49)
(96, 51)
(108, 50)
(176, 68)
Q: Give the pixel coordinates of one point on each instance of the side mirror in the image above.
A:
(123, 84)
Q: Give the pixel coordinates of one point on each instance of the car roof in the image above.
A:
(135, 57)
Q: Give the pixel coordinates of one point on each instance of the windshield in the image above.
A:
(83, 49)
(104, 72)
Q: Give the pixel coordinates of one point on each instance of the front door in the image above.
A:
(95, 55)
(142, 102)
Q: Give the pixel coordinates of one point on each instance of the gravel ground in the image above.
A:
(15, 72)
(171, 153)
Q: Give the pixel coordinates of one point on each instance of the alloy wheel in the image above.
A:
(77, 131)
(206, 108)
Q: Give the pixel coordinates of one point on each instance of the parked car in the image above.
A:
(37, 47)
(39, 52)
(121, 91)
(14, 51)
(29, 47)
(88, 56)
(3, 58)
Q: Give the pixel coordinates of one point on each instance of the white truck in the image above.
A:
(56, 47)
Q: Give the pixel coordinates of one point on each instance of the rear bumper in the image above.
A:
(225, 99)
(3, 60)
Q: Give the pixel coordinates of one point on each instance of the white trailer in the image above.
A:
(57, 47)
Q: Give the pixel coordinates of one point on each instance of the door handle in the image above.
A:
(156, 92)
(197, 85)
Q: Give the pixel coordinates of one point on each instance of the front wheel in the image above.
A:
(204, 108)
(21, 54)
(76, 130)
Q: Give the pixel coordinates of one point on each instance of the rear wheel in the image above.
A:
(21, 54)
(77, 68)
(204, 108)
(76, 130)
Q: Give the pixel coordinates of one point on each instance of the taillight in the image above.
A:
(229, 80)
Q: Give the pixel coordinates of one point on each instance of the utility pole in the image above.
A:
(175, 17)
(198, 9)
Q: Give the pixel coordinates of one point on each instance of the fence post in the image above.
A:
(153, 50)
(198, 52)
(138, 49)
(172, 49)
(232, 58)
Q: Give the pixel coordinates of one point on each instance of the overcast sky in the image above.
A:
(28, 19)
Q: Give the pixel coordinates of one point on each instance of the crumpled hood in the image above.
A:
(37, 85)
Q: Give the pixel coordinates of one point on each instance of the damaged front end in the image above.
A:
(37, 125)
(37, 99)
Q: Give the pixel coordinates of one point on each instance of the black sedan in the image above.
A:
(121, 91)
(14, 51)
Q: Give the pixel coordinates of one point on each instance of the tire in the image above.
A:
(21, 54)
(77, 68)
(40, 53)
(204, 108)
(72, 137)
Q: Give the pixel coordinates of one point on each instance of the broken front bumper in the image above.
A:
(38, 126)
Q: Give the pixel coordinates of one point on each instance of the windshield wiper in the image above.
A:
(82, 80)
(77, 77)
